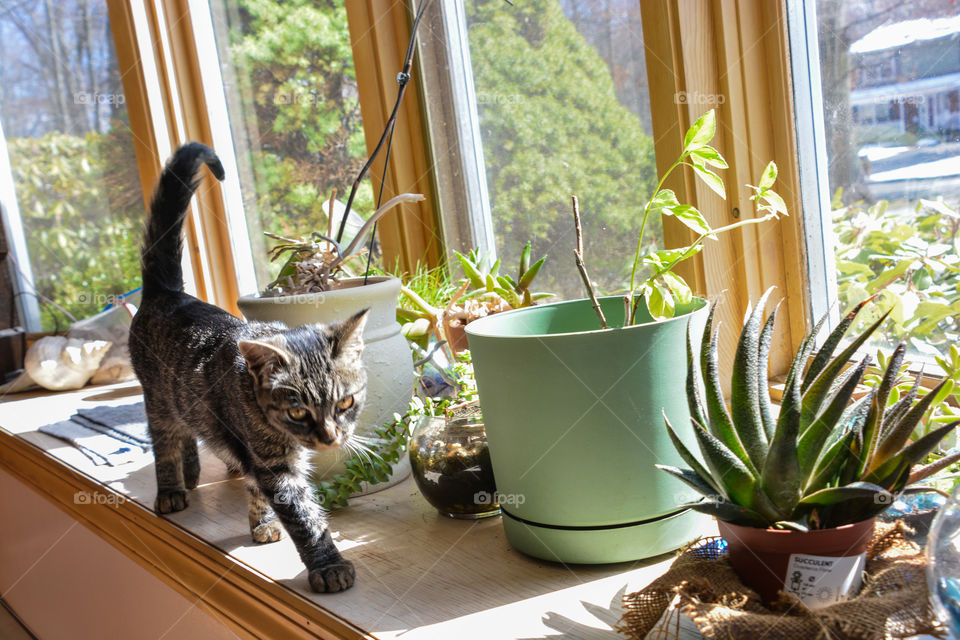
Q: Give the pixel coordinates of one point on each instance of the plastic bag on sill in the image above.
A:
(111, 325)
(61, 363)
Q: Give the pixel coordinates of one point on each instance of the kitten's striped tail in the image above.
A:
(162, 242)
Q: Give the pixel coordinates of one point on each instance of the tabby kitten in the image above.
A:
(261, 395)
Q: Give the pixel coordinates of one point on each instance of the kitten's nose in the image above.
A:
(329, 434)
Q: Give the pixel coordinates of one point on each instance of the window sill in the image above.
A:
(419, 575)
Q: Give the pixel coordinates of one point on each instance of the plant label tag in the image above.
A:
(818, 581)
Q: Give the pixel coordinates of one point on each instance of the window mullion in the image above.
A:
(461, 177)
(812, 155)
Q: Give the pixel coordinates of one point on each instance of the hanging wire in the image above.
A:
(403, 79)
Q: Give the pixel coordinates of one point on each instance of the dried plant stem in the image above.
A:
(361, 234)
(333, 199)
(581, 267)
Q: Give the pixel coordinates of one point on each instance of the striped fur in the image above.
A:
(260, 395)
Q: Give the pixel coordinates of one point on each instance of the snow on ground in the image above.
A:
(899, 34)
(941, 168)
(874, 154)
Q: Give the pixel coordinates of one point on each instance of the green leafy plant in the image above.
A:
(663, 289)
(828, 459)
(373, 462)
(372, 459)
(908, 255)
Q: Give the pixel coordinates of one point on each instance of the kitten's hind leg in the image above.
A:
(191, 462)
(264, 525)
(168, 460)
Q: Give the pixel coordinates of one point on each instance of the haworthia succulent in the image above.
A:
(744, 387)
(780, 478)
(815, 394)
(874, 423)
(721, 424)
(730, 512)
(827, 460)
(694, 396)
(829, 464)
(815, 436)
(763, 383)
(725, 467)
(898, 434)
(691, 460)
(834, 495)
(825, 352)
(691, 479)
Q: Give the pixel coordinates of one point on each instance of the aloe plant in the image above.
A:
(828, 459)
(484, 276)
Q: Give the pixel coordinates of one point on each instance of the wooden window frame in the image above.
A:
(172, 102)
(736, 51)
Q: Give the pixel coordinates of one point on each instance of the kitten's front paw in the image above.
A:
(267, 531)
(333, 577)
(171, 501)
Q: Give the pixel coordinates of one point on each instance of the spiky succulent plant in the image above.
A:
(494, 289)
(827, 459)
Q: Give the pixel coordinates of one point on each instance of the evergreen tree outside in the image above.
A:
(299, 121)
(552, 126)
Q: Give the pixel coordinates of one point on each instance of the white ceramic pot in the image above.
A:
(390, 377)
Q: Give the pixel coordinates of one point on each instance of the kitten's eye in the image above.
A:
(296, 413)
(345, 403)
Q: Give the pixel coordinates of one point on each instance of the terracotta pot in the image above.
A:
(819, 567)
(457, 333)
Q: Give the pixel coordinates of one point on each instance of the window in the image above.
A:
(76, 198)
(691, 49)
(559, 101)
(295, 120)
(893, 180)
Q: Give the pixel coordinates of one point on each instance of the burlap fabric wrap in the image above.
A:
(893, 602)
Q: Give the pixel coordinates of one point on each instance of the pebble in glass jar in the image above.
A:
(451, 463)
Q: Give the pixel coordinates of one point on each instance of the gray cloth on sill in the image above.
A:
(125, 422)
(107, 435)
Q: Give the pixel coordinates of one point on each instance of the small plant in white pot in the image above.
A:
(313, 286)
(796, 496)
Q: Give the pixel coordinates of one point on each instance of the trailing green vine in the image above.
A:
(375, 464)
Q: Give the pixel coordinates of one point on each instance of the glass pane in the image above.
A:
(291, 94)
(891, 97)
(563, 104)
(71, 152)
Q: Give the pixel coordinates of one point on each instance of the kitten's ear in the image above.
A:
(347, 336)
(262, 353)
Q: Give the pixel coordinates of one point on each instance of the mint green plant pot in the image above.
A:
(574, 424)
